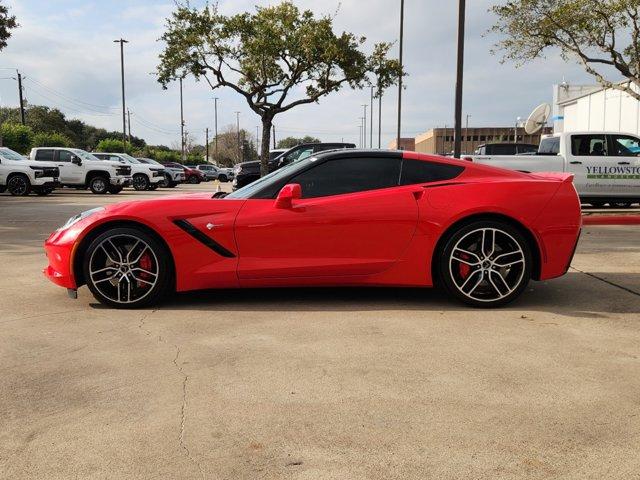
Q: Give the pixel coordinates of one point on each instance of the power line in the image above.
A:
(80, 103)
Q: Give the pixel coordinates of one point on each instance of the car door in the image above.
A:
(352, 219)
(69, 171)
(589, 163)
(625, 164)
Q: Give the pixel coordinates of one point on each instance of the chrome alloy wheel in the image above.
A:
(124, 269)
(487, 265)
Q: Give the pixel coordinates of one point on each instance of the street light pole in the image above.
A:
(400, 79)
(379, 119)
(238, 133)
(206, 133)
(182, 123)
(364, 127)
(21, 97)
(466, 132)
(371, 120)
(459, 78)
(215, 107)
(122, 41)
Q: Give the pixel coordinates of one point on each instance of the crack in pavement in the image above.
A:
(609, 282)
(185, 380)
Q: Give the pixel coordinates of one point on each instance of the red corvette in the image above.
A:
(339, 218)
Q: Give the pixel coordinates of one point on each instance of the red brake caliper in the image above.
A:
(145, 264)
(463, 267)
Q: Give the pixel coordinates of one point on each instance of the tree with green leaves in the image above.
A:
(290, 142)
(277, 58)
(17, 137)
(602, 35)
(55, 139)
(7, 23)
(113, 145)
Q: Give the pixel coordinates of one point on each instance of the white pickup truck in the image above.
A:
(605, 164)
(20, 176)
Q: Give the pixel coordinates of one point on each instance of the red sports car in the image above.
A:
(345, 217)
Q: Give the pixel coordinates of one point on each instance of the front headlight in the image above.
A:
(81, 216)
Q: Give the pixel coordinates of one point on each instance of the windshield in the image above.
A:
(10, 154)
(151, 161)
(273, 177)
(128, 158)
(84, 155)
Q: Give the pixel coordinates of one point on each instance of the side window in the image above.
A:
(589, 145)
(624, 146)
(99, 156)
(418, 171)
(549, 146)
(45, 155)
(348, 175)
(502, 149)
(64, 155)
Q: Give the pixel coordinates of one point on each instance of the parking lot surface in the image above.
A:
(324, 383)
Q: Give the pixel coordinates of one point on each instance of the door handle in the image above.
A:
(575, 163)
(624, 163)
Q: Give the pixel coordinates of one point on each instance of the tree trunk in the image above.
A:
(264, 145)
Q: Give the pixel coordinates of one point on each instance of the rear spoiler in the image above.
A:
(560, 177)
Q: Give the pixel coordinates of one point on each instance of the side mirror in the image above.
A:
(288, 194)
(76, 160)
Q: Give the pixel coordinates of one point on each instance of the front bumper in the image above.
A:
(120, 181)
(46, 182)
(59, 256)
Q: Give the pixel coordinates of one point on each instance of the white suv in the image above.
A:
(80, 169)
(144, 177)
(214, 172)
(20, 175)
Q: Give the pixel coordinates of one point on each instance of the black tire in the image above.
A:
(463, 263)
(3, 188)
(99, 184)
(153, 187)
(172, 185)
(43, 192)
(19, 185)
(140, 182)
(193, 179)
(141, 295)
(115, 189)
(166, 181)
(223, 178)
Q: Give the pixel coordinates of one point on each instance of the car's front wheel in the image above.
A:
(140, 182)
(99, 185)
(193, 179)
(127, 268)
(485, 263)
(223, 178)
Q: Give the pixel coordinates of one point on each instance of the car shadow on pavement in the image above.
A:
(575, 295)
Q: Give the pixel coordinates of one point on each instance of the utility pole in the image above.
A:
(364, 127)
(238, 133)
(400, 79)
(360, 135)
(129, 125)
(122, 41)
(466, 132)
(379, 120)
(182, 124)
(459, 79)
(371, 120)
(21, 97)
(206, 134)
(258, 140)
(215, 107)
(274, 137)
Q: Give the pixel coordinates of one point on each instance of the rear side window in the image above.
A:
(501, 149)
(417, 171)
(44, 155)
(549, 146)
(348, 175)
(589, 145)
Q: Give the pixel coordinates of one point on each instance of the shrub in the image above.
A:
(55, 139)
(17, 137)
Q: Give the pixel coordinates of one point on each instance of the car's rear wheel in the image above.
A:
(127, 268)
(18, 185)
(140, 182)
(485, 263)
(43, 192)
(99, 185)
(223, 178)
(115, 189)
(193, 179)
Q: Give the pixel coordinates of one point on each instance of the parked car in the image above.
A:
(506, 149)
(247, 172)
(143, 176)
(214, 172)
(80, 169)
(172, 176)
(21, 176)
(605, 164)
(276, 152)
(339, 218)
(192, 175)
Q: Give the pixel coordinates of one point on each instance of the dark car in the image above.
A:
(191, 174)
(247, 172)
(506, 149)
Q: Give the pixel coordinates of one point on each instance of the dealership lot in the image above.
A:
(326, 383)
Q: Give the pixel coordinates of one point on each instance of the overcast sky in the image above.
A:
(66, 52)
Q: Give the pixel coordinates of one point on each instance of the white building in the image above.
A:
(593, 108)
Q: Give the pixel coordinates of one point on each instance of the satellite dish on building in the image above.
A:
(538, 118)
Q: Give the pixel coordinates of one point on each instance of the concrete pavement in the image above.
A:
(325, 383)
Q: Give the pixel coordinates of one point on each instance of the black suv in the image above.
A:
(247, 172)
